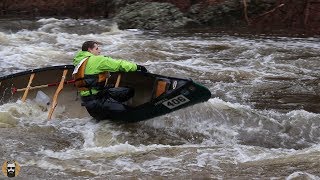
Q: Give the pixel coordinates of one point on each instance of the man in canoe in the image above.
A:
(91, 72)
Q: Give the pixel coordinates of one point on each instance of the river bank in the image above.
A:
(267, 16)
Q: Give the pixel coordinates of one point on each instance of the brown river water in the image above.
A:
(262, 121)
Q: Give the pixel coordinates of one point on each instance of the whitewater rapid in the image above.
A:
(256, 125)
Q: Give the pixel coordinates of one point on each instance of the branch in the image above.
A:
(272, 10)
(306, 14)
(245, 10)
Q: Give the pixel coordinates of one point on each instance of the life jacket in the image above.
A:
(86, 82)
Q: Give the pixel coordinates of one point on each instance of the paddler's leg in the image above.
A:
(121, 94)
(102, 108)
(112, 106)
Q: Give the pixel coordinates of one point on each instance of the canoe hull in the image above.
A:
(155, 95)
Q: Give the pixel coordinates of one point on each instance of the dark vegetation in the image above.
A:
(294, 16)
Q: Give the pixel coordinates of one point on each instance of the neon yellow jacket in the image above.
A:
(99, 64)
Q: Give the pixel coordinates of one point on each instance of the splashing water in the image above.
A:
(262, 123)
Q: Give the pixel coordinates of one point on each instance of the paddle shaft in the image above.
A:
(14, 90)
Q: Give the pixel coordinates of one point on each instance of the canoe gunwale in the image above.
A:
(62, 67)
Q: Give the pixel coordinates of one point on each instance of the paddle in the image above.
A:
(55, 97)
(14, 90)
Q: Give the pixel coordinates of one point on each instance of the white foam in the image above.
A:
(163, 165)
(302, 175)
(22, 110)
(127, 164)
(206, 159)
(7, 120)
(48, 165)
(115, 150)
(302, 113)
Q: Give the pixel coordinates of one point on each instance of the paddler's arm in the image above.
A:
(115, 65)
